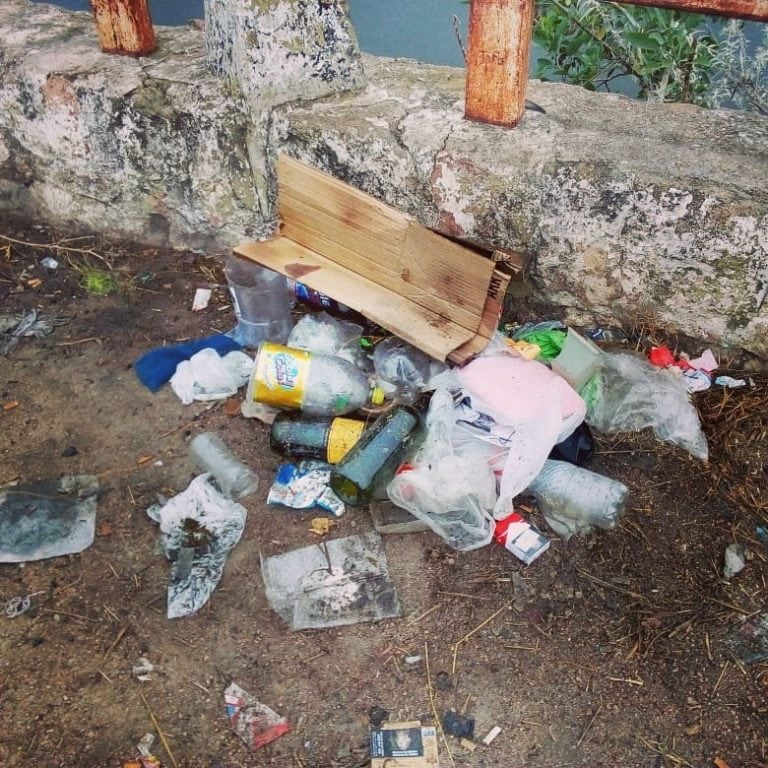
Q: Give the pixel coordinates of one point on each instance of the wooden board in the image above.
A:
(409, 321)
(365, 235)
(439, 295)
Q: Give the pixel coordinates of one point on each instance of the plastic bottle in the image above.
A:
(402, 371)
(319, 385)
(314, 437)
(210, 453)
(307, 295)
(373, 461)
(576, 499)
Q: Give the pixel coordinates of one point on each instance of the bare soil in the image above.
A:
(608, 651)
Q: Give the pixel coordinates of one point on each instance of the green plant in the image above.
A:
(741, 75)
(667, 55)
(99, 282)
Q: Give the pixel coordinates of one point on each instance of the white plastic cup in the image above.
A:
(234, 478)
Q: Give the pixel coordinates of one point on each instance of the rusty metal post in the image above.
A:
(498, 54)
(124, 26)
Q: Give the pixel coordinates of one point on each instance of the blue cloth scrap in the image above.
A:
(155, 368)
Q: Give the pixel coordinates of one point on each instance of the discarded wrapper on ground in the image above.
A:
(332, 583)
(255, 723)
(199, 527)
(47, 518)
(404, 745)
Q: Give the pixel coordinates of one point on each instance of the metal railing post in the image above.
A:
(124, 26)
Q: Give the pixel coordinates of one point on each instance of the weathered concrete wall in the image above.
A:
(153, 148)
(281, 50)
(629, 209)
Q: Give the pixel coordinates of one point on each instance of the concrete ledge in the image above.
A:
(631, 210)
(636, 211)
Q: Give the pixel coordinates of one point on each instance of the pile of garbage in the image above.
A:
(368, 419)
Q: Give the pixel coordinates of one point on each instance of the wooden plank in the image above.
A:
(489, 323)
(498, 56)
(436, 336)
(754, 10)
(366, 236)
(124, 26)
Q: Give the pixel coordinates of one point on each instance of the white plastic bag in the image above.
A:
(454, 495)
(629, 394)
(199, 526)
(207, 376)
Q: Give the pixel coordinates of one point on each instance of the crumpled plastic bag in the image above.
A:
(520, 409)
(207, 376)
(199, 527)
(323, 334)
(402, 371)
(629, 394)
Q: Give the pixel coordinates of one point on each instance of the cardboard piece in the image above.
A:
(436, 293)
(404, 745)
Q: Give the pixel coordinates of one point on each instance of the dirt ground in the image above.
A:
(608, 651)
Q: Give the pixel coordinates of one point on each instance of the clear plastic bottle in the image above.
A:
(576, 499)
(319, 385)
(210, 453)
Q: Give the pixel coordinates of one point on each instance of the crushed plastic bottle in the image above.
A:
(574, 499)
(402, 371)
(319, 385)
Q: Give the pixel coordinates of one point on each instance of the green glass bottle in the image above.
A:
(382, 448)
(314, 437)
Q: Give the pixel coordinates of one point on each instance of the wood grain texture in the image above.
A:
(124, 26)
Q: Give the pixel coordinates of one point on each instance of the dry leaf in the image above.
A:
(321, 525)
(720, 763)
(232, 406)
(145, 459)
(10, 405)
(692, 730)
(105, 529)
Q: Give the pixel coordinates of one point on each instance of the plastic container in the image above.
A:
(262, 303)
(319, 385)
(306, 295)
(574, 499)
(234, 478)
(314, 437)
(372, 462)
(578, 360)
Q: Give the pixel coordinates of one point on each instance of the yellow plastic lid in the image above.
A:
(377, 396)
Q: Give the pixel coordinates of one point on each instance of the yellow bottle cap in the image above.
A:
(377, 396)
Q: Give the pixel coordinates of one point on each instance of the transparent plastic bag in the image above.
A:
(322, 334)
(454, 495)
(402, 371)
(629, 394)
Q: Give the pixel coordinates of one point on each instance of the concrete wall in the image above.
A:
(631, 211)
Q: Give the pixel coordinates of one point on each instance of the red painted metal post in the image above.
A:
(124, 26)
(498, 54)
(754, 10)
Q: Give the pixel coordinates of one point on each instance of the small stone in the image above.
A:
(443, 681)
(377, 715)
(69, 451)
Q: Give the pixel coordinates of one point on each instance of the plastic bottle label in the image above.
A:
(280, 375)
(343, 434)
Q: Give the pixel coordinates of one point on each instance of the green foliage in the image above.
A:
(741, 74)
(667, 55)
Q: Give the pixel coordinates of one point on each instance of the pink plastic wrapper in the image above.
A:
(255, 723)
